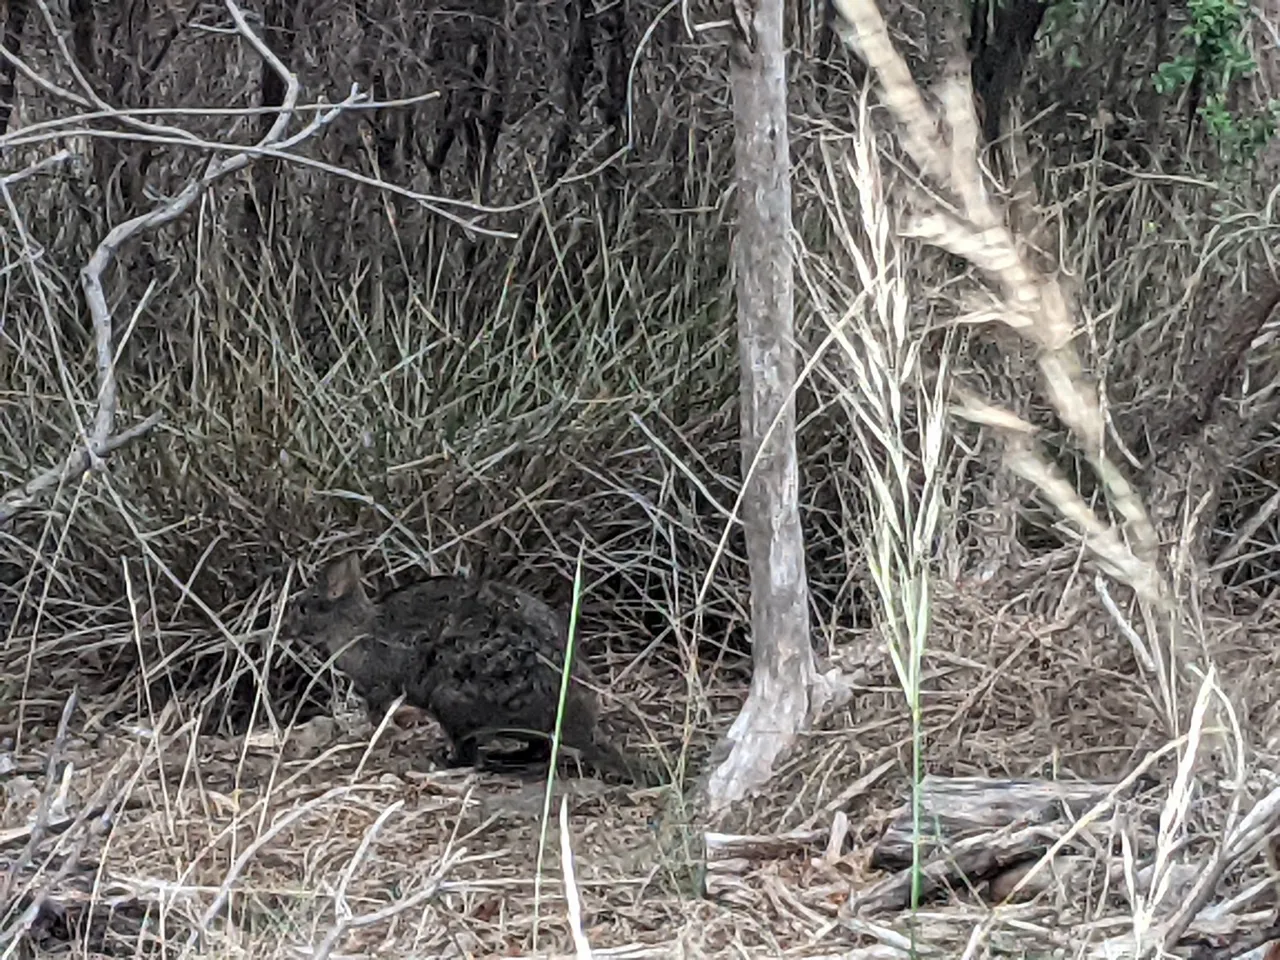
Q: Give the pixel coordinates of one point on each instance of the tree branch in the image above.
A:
(100, 439)
(79, 462)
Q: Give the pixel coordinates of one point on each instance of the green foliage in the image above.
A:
(1218, 60)
(1240, 137)
(1065, 21)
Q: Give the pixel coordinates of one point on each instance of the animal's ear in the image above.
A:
(342, 579)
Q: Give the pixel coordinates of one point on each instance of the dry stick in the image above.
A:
(40, 827)
(345, 920)
(76, 464)
(46, 800)
(70, 863)
(42, 82)
(100, 440)
(57, 126)
(433, 202)
(91, 275)
(429, 892)
(9, 179)
(1259, 823)
(93, 99)
(146, 132)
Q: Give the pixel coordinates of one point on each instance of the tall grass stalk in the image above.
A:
(566, 677)
(897, 410)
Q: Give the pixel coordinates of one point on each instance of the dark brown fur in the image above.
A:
(483, 658)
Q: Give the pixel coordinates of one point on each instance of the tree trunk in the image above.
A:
(778, 706)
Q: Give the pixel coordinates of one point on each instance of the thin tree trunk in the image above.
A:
(778, 706)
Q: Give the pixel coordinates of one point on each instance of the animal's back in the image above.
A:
(482, 654)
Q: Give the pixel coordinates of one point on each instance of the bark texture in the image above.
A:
(784, 667)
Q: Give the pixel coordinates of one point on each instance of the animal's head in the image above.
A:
(333, 610)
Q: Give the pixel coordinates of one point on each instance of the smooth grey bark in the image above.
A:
(778, 706)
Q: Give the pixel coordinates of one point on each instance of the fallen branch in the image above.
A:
(735, 846)
(973, 863)
(953, 809)
(983, 833)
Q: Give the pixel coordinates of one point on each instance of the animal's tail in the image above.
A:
(606, 756)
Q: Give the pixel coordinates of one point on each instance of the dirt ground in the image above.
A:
(317, 842)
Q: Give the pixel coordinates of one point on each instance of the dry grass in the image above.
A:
(577, 393)
(325, 831)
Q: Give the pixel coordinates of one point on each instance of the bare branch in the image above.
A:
(434, 203)
(91, 99)
(9, 179)
(80, 460)
(91, 275)
(45, 812)
(100, 439)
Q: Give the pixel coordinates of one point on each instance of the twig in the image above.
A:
(1252, 830)
(1126, 628)
(236, 868)
(91, 275)
(77, 463)
(340, 896)
(91, 98)
(434, 203)
(70, 863)
(45, 810)
(362, 851)
(75, 125)
(54, 828)
(9, 179)
(98, 813)
(100, 439)
(429, 892)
